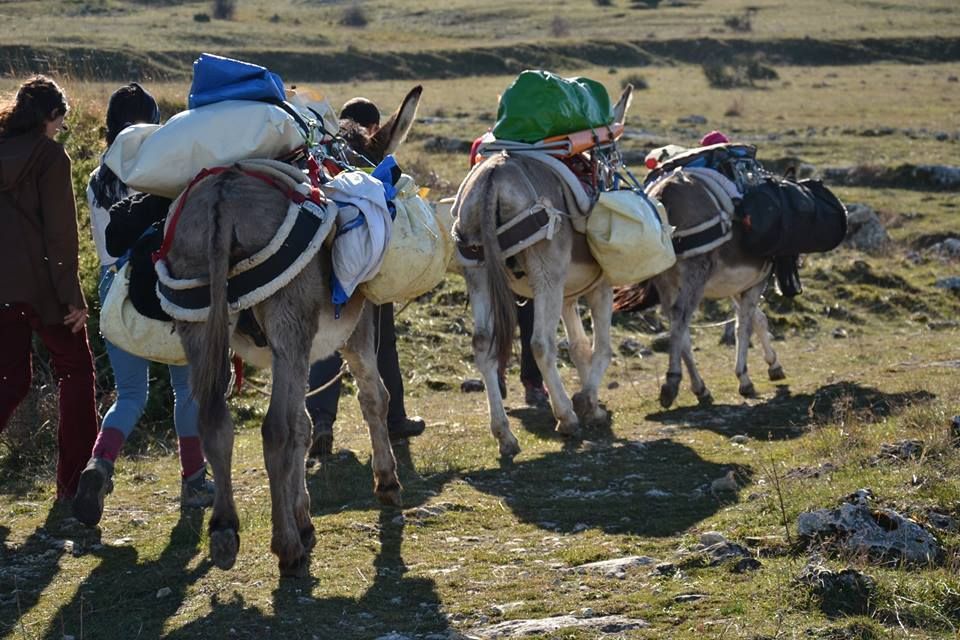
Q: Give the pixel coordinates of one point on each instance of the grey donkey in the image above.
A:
(228, 218)
(723, 272)
(556, 272)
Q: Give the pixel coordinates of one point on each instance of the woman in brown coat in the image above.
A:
(40, 285)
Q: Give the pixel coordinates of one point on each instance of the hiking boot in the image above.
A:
(96, 482)
(536, 396)
(406, 428)
(197, 490)
(321, 444)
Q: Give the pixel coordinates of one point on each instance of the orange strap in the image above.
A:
(581, 141)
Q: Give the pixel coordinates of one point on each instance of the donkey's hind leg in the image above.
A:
(484, 354)
(774, 368)
(547, 309)
(580, 352)
(298, 483)
(681, 290)
(586, 402)
(290, 320)
(746, 305)
(361, 355)
(697, 385)
(216, 434)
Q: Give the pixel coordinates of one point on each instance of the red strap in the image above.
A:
(237, 373)
(315, 195)
(161, 253)
(332, 167)
(313, 170)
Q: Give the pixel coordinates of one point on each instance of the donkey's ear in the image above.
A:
(623, 104)
(791, 173)
(395, 130)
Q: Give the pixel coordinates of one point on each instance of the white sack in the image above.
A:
(163, 159)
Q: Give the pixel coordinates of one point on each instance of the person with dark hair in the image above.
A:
(39, 259)
(362, 111)
(129, 105)
(322, 406)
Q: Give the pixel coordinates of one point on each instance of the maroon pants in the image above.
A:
(73, 366)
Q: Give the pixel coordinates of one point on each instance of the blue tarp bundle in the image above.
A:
(216, 78)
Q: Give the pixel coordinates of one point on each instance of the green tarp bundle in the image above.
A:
(540, 104)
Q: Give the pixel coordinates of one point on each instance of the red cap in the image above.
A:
(651, 163)
(714, 137)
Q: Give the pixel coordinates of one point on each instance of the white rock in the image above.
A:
(710, 538)
(544, 626)
(614, 566)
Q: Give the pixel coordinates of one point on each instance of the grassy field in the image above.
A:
(313, 25)
(480, 542)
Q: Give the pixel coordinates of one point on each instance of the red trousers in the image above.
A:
(73, 367)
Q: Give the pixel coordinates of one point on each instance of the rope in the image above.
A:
(343, 365)
(713, 324)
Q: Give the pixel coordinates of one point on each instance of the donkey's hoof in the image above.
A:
(389, 494)
(668, 393)
(224, 545)
(776, 373)
(296, 567)
(569, 428)
(704, 398)
(582, 405)
(748, 390)
(308, 538)
(509, 449)
(598, 416)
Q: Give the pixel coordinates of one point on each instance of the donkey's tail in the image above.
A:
(212, 377)
(502, 300)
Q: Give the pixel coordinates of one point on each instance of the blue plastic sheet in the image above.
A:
(216, 78)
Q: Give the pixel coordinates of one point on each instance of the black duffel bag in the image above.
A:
(785, 218)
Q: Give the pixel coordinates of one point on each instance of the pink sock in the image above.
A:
(108, 444)
(191, 456)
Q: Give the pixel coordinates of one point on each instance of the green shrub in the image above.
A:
(224, 9)
(738, 73)
(740, 24)
(354, 16)
(638, 81)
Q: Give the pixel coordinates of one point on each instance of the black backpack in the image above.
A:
(784, 218)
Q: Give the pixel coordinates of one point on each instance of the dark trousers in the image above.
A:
(322, 406)
(529, 371)
(73, 367)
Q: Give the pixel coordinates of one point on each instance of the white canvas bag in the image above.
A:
(163, 159)
(135, 333)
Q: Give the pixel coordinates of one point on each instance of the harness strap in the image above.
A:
(701, 238)
(179, 298)
(537, 223)
(292, 194)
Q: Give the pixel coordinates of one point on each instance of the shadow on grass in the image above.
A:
(654, 488)
(122, 597)
(393, 603)
(541, 423)
(787, 416)
(334, 483)
(27, 570)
